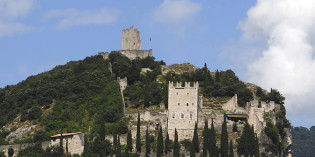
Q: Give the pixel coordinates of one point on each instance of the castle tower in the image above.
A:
(182, 109)
(131, 39)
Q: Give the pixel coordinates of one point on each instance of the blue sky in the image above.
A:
(251, 37)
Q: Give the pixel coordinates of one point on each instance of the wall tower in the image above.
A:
(182, 109)
(131, 39)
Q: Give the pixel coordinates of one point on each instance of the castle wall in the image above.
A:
(182, 110)
(131, 39)
(75, 143)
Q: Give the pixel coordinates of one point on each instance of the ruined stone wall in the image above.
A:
(133, 54)
(182, 109)
(75, 143)
(131, 39)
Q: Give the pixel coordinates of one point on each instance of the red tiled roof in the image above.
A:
(66, 134)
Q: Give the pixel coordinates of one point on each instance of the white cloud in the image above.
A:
(10, 28)
(74, 17)
(174, 11)
(15, 8)
(288, 64)
(9, 11)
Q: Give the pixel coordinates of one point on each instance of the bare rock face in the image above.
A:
(20, 132)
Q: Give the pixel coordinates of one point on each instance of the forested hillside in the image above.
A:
(85, 96)
(303, 144)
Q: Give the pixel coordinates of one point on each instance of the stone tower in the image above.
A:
(131, 39)
(182, 109)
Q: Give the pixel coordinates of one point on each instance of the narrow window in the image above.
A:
(182, 115)
(187, 104)
(178, 104)
(187, 93)
(173, 115)
(192, 104)
(177, 93)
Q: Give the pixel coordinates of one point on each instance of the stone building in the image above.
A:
(182, 109)
(74, 142)
(131, 39)
(131, 45)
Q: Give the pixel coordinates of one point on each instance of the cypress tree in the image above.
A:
(224, 139)
(102, 131)
(212, 142)
(256, 147)
(195, 141)
(192, 150)
(159, 151)
(205, 138)
(138, 140)
(176, 145)
(147, 143)
(231, 154)
(118, 149)
(115, 140)
(167, 144)
(129, 141)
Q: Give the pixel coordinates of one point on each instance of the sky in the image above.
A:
(266, 42)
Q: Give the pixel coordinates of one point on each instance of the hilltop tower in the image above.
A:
(182, 109)
(131, 39)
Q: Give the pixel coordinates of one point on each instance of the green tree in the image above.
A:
(192, 152)
(205, 138)
(147, 144)
(224, 139)
(195, 141)
(10, 151)
(2, 154)
(231, 153)
(138, 140)
(176, 147)
(213, 151)
(167, 144)
(159, 151)
(118, 149)
(102, 131)
(129, 141)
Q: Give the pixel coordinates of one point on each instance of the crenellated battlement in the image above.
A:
(171, 84)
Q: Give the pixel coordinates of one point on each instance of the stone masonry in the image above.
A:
(182, 109)
(131, 39)
(75, 142)
(131, 45)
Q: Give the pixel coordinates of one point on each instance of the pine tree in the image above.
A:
(195, 141)
(159, 151)
(167, 144)
(147, 143)
(213, 152)
(118, 149)
(138, 140)
(224, 139)
(129, 141)
(231, 153)
(205, 138)
(176, 145)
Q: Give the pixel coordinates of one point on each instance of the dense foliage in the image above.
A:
(248, 144)
(77, 91)
(303, 141)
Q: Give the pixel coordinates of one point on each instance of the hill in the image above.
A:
(84, 95)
